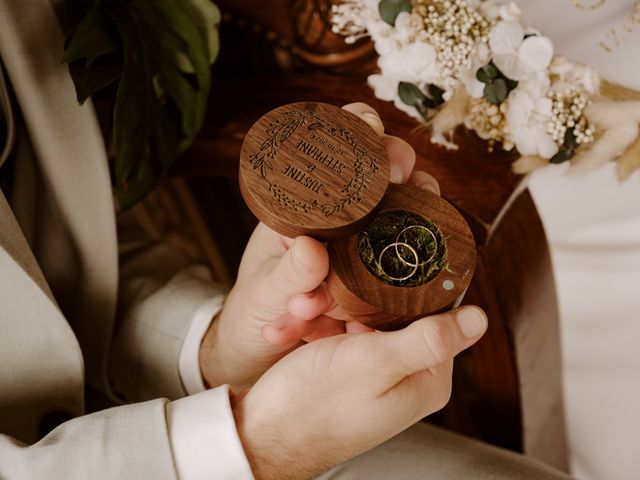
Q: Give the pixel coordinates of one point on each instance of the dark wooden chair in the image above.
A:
(507, 388)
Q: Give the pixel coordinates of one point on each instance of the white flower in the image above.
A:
(516, 56)
(489, 10)
(404, 26)
(528, 116)
(414, 63)
(350, 18)
(479, 57)
(509, 12)
(356, 19)
(386, 88)
(388, 39)
(574, 75)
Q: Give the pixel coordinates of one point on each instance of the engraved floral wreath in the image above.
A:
(278, 132)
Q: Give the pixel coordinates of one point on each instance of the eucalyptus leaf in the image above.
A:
(496, 91)
(390, 9)
(410, 94)
(562, 156)
(487, 73)
(490, 94)
(570, 141)
(501, 89)
(436, 93)
(511, 84)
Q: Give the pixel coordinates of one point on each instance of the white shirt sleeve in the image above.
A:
(204, 439)
(188, 361)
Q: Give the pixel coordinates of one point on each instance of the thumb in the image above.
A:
(432, 341)
(302, 268)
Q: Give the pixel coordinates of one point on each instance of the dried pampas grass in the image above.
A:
(448, 118)
(528, 163)
(606, 148)
(617, 124)
(629, 161)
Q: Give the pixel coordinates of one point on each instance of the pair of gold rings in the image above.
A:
(404, 244)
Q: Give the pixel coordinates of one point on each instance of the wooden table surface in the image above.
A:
(476, 183)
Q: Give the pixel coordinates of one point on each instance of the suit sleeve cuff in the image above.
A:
(204, 439)
(188, 361)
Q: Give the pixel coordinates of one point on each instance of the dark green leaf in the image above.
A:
(562, 156)
(436, 93)
(95, 36)
(89, 79)
(206, 16)
(490, 94)
(501, 89)
(570, 141)
(423, 109)
(410, 94)
(159, 108)
(487, 73)
(496, 91)
(511, 84)
(390, 9)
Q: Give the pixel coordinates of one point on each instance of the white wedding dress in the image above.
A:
(593, 226)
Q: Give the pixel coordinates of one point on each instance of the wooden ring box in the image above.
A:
(315, 169)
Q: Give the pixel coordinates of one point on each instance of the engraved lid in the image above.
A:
(313, 169)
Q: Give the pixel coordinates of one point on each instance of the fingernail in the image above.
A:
(371, 114)
(472, 321)
(373, 120)
(431, 186)
(296, 256)
(395, 173)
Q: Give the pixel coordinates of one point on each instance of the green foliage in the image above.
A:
(487, 73)
(496, 85)
(411, 95)
(496, 91)
(384, 230)
(159, 52)
(570, 141)
(390, 9)
(568, 149)
(436, 93)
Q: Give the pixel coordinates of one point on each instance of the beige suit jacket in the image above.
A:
(60, 279)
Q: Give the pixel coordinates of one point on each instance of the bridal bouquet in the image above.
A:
(474, 63)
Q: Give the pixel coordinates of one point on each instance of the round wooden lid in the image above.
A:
(313, 169)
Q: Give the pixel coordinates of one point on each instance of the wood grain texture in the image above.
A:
(404, 304)
(471, 179)
(313, 169)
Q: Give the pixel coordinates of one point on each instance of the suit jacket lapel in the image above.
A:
(14, 243)
(35, 377)
(7, 113)
(71, 158)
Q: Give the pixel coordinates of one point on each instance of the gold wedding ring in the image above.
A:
(435, 250)
(414, 266)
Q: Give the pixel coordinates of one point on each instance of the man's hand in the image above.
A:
(279, 297)
(335, 398)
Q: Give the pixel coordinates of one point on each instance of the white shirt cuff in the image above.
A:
(204, 439)
(188, 361)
